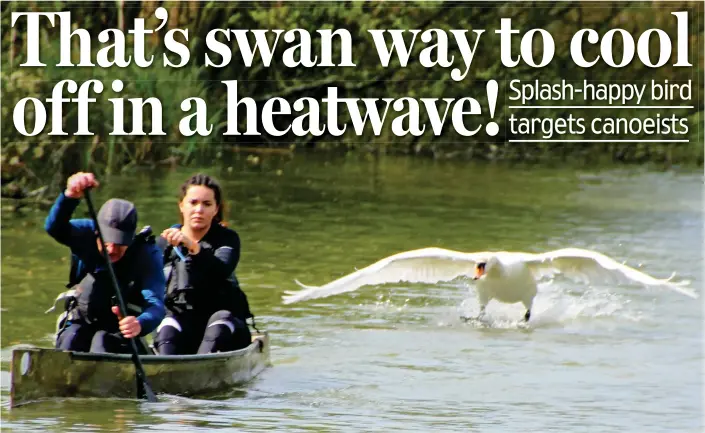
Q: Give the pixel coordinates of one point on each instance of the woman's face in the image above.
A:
(198, 207)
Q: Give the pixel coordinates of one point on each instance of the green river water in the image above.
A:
(594, 358)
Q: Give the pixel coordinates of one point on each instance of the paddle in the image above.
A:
(179, 253)
(144, 390)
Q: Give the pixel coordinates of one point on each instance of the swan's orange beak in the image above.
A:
(479, 271)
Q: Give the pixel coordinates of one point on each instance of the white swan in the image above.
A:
(508, 277)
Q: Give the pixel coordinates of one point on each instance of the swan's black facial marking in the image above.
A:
(479, 270)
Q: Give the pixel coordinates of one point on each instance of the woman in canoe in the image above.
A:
(206, 309)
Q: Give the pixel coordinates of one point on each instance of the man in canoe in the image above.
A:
(92, 323)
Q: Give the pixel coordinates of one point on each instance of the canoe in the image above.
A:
(39, 374)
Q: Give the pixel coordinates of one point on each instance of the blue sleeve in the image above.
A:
(153, 286)
(61, 227)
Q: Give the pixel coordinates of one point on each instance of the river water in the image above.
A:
(594, 357)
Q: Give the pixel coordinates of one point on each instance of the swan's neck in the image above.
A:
(495, 270)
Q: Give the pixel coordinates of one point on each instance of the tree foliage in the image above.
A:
(25, 158)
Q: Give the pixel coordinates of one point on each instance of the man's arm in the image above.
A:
(59, 224)
(153, 287)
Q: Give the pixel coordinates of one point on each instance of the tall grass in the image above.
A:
(45, 155)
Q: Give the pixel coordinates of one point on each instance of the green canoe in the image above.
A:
(39, 374)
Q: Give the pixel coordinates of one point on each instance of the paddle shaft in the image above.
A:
(144, 390)
(179, 253)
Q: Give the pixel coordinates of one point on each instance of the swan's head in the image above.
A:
(484, 267)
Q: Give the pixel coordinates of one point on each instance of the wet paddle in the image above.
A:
(144, 390)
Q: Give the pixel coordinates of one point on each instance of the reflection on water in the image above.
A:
(398, 357)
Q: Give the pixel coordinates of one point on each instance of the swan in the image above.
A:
(505, 276)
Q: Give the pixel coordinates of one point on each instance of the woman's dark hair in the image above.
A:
(201, 179)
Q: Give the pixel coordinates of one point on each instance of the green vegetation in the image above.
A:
(31, 163)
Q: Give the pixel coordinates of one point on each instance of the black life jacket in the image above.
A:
(182, 297)
(95, 294)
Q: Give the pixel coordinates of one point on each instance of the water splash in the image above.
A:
(556, 305)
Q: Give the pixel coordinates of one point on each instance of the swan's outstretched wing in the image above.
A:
(578, 262)
(428, 265)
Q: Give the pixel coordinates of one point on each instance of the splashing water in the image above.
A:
(556, 305)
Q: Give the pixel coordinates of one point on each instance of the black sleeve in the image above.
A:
(217, 260)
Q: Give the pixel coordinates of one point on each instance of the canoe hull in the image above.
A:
(39, 374)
